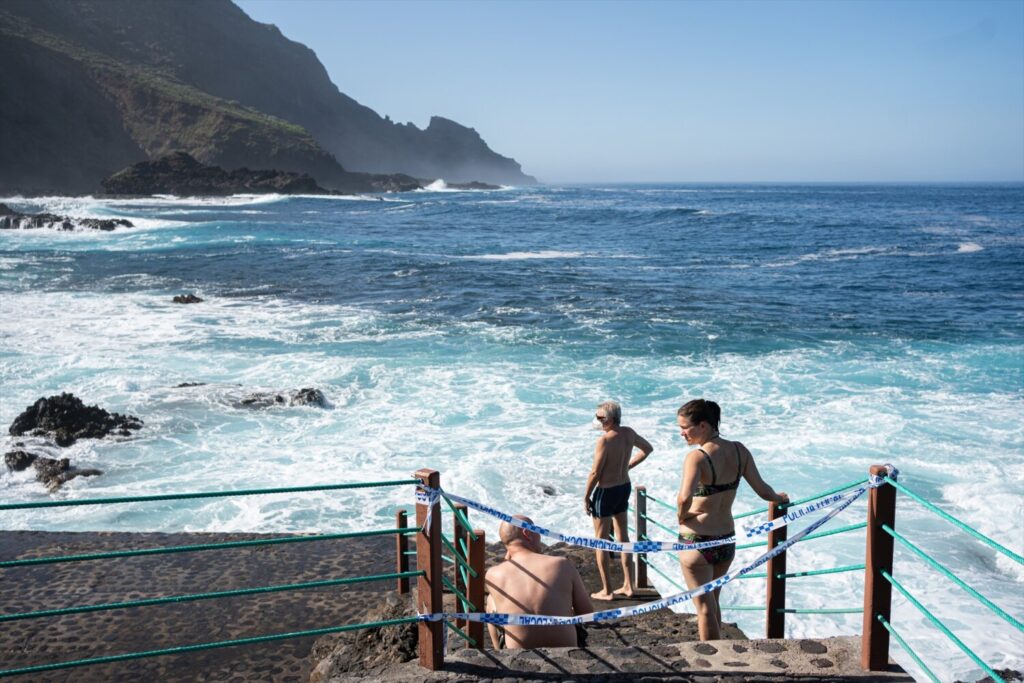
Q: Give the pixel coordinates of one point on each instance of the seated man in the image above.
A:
(530, 582)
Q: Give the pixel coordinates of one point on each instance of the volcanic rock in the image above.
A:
(368, 650)
(186, 299)
(18, 460)
(180, 174)
(67, 419)
(54, 473)
(13, 220)
(302, 397)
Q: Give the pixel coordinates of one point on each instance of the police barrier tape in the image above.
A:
(504, 619)
(428, 496)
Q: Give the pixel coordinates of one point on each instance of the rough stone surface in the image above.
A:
(186, 299)
(14, 220)
(66, 419)
(18, 460)
(300, 397)
(813, 647)
(77, 636)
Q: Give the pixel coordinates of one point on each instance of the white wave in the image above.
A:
(525, 255)
(968, 248)
(438, 185)
(834, 255)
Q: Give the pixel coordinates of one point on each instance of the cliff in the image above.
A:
(101, 84)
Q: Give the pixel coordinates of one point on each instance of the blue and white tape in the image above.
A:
(428, 496)
(505, 619)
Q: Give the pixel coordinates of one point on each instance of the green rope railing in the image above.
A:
(660, 502)
(906, 648)
(660, 525)
(760, 575)
(205, 596)
(745, 608)
(953, 520)
(202, 646)
(458, 558)
(457, 593)
(463, 520)
(949, 575)
(942, 627)
(204, 494)
(833, 532)
(664, 575)
(804, 500)
(469, 639)
(193, 548)
(816, 572)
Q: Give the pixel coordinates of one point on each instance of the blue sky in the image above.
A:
(813, 90)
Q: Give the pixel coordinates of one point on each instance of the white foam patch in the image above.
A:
(525, 255)
(968, 248)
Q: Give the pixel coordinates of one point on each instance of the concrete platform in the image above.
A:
(831, 659)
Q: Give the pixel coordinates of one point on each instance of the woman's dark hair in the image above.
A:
(699, 410)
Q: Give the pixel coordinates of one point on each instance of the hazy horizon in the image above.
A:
(696, 91)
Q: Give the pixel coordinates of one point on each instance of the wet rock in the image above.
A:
(186, 299)
(14, 220)
(1005, 674)
(367, 650)
(54, 473)
(66, 419)
(548, 490)
(267, 399)
(184, 385)
(309, 397)
(19, 460)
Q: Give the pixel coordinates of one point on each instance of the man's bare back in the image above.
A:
(529, 582)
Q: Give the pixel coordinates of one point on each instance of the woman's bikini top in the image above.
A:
(705, 490)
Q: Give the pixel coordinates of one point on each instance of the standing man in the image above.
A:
(530, 582)
(608, 487)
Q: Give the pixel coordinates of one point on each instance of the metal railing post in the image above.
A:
(460, 536)
(477, 560)
(401, 548)
(640, 506)
(428, 586)
(874, 652)
(775, 599)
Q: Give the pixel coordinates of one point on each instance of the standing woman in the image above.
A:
(711, 475)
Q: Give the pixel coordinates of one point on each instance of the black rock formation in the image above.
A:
(186, 299)
(66, 419)
(53, 472)
(13, 220)
(180, 174)
(302, 397)
(18, 460)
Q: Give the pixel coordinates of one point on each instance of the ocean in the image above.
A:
(838, 326)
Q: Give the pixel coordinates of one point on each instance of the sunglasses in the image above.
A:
(601, 418)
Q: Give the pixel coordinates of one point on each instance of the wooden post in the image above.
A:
(775, 598)
(460, 535)
(477, 560)
(428, 586)
(874, 651)
(640, 506)
(401, 548)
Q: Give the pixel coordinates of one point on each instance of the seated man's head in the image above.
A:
(512, 535)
